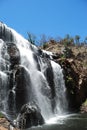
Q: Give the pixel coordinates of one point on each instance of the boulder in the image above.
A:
(30, 115)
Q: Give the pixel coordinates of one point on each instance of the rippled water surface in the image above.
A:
(67, 122)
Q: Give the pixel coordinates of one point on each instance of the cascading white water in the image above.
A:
(44, 79)
(61, 102)
(38, 81)
(3, 82)
(3, 76)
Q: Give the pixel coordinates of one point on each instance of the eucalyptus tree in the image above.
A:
(77, 39)
(31, 38)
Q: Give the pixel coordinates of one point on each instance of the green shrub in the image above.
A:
(69, 79)
(1, 115)
(45, 45)
(85, 103)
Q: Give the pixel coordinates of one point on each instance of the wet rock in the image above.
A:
(23, 87)
(14, 55)
(5, 34)
(29, 116)
(19, 90)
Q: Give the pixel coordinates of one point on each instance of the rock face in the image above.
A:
(28, 74)
(73, 60)
(29, 116)
(76, 82)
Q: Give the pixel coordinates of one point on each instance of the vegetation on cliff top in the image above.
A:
(67, 47)
(67, 40)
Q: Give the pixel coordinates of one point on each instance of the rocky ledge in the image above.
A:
(73, 60)
(76, 82)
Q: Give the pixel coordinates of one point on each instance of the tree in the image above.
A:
(43, 39)
(68, 40)
(67, 36)
(67, 52)
(77, 38)
(85, 41)
(72, 40)
(31, 38)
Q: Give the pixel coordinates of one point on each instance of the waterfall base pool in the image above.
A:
(67, 122)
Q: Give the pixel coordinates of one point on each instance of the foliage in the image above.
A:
(43, 40)
(69, 79)
(1, 115)
(31, 38)
(66, 41)
(77, 38)
(45, 45)
(67, 52)
(85, 103)
(85, 41)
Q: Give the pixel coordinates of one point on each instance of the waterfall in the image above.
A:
(28, 74)
(61, 102)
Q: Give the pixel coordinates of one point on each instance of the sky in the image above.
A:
(54, 18)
